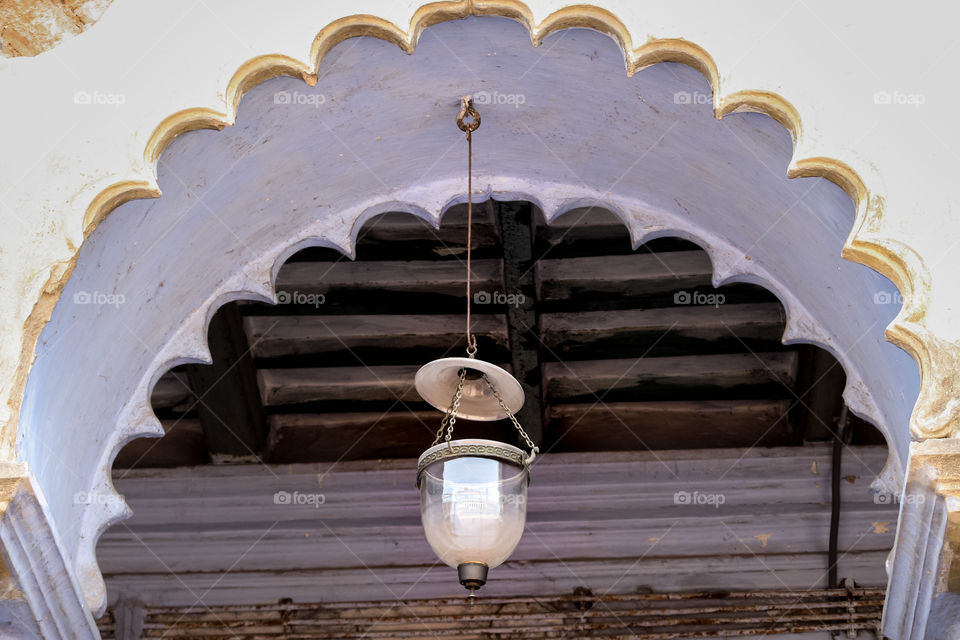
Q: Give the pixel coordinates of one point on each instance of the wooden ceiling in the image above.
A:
(617, 349)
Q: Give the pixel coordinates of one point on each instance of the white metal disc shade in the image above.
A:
(437, 381)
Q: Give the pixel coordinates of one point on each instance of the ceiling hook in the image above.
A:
(468, 110)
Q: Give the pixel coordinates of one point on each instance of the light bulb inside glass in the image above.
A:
(473, 509)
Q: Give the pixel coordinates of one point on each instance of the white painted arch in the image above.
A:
(295, 171)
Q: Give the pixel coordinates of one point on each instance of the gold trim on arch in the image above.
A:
(933, 416)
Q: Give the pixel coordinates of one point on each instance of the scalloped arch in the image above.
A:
(893, 259)
(902, 268)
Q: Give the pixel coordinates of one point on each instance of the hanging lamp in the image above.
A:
(473, 492)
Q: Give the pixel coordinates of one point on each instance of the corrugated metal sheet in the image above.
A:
(584, 615)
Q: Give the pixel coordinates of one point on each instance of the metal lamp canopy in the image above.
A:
(437, 381)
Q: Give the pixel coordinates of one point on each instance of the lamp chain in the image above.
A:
(450, 417)
(534, 449)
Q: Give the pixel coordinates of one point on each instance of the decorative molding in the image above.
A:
(37, 563)
(922, 568)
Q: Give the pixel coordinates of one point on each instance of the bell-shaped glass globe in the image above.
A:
(474, 507)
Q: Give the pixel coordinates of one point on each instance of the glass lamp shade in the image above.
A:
(473, 500)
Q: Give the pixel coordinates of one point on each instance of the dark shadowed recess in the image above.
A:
(618, 349)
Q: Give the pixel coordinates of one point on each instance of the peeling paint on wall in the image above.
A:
(31, 27)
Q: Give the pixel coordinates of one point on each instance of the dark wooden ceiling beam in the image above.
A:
(584, 231)
(292, 336)
(682, 424)
(172, 392)
(516, 229)
(635, 274)
(654, 377)
(299, 385)
(819, 390)
(395, 234)
(365, 435)
(183, 444)
(428, 277)
(650, 377)
(684, 329)
(227, 396)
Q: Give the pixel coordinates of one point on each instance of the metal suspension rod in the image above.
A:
(468, 110)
